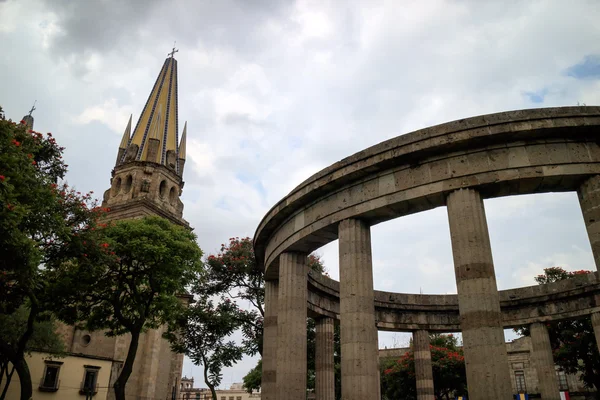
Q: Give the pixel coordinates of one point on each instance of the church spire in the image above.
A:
(155, 137)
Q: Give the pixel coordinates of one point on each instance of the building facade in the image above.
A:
(68, 378)
(235, 392)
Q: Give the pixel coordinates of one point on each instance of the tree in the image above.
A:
(132, 283)
(573, 342)
(44, 338)
(253, 379)
(42, 224)
(206, 340)
(234, 272)
(398, 379)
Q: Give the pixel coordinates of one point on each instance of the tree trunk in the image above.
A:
(127, 367)
(8, 379)
(213, 393)
(24, 378)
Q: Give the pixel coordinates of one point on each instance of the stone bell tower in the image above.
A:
(148, 174)
(147, 180)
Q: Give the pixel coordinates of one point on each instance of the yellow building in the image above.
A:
(65, 378)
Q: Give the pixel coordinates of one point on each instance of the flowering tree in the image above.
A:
(398, 379)
(573, 342)
(233, 272)
(42, 223)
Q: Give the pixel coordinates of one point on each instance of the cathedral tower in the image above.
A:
(148, 174)
(147, 180)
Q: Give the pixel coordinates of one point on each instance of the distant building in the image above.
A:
(522, 369)
(235, 392)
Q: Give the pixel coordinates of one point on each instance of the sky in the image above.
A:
(274, 91)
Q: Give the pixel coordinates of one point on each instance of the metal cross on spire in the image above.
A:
(32, 107)
(172, 53)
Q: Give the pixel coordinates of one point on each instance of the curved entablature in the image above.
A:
(509, 153)
(571, 298)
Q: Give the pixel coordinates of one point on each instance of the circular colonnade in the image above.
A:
(457, 165)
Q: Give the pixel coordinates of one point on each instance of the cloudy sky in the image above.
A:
(274, 90)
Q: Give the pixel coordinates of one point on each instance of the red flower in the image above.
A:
(33, 162)
(2, 178)
(105, 245)
(22, 122)
(16, 142)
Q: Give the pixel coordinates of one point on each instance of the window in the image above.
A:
(563, 385)
(520, 380)
(50, 382)
(238, 398)
(197, 396)
(128, 183)
(90, 379)
(230, 397)
(223, 398)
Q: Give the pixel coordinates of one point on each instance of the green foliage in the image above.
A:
(130, 280)
(398, 379)
(44, 337)
(42, 224)
(253, 379)
(133, 274)
(206, 338)
(233, 272)
(573, 342)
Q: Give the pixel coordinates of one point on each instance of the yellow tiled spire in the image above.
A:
(159, 117)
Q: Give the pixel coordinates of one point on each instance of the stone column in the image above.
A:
(478, 301)
(291, 327)
(324, 364)
(596, 324)
(360, 363)
(589, 200)
(543, 361)
(269, 356)
(423, 369)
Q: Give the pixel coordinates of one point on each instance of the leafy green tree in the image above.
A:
(234, 272)
(206, 338)
(398, 379)
(253, 379)
(131, 281)
(42, 224)
(44, 338)
(573, 342)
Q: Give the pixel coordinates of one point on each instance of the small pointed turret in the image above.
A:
(124, 142)
(181, 155)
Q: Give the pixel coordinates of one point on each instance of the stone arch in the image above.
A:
(454, 165)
